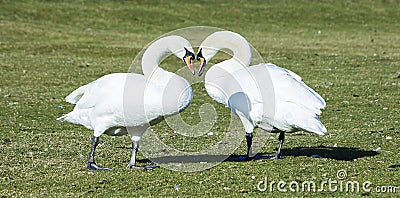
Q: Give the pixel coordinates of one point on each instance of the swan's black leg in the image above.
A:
(91, 164)
(132, 163)
(281, 140)
(249, 140)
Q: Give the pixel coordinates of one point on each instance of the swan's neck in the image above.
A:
(239, 46)
(173, 89)
(153, 56)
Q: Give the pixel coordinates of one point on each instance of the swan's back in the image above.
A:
(106, 100)
(290, 87)
(107, 88)
(126, 99)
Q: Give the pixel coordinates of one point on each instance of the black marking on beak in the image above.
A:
(202, 60)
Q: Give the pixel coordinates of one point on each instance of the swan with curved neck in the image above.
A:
(128, 103)
(264, 95)
(224, 40)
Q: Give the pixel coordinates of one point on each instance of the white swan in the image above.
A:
(128, 103)
(264, 95)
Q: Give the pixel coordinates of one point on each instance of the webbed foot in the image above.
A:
(94, 166)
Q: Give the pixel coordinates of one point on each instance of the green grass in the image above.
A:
(49, 48)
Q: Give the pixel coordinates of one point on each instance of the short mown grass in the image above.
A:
(348, 51)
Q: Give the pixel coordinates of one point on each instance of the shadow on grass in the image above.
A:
(199, 159)
(337, 153)
(394, 166)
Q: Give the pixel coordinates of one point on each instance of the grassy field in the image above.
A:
(348, 51)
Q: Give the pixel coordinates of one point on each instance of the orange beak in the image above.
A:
(202, 65)
(188, 61)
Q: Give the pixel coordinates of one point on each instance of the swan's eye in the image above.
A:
(189, 54)
(189, 57)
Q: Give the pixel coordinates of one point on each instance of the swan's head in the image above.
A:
(188, 58)
(162, 47)
(224, 40)
(202, 60)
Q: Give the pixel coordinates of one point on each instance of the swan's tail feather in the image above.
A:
(77, 94)
(76, 118)
(69, 117)
(63, 118)
(312, 125)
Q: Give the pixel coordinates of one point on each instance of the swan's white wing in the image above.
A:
(289, 87)
(297, 106)
(102, 104)
(277, 97)
(300, 85)
(106, 88)
(77, 94)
